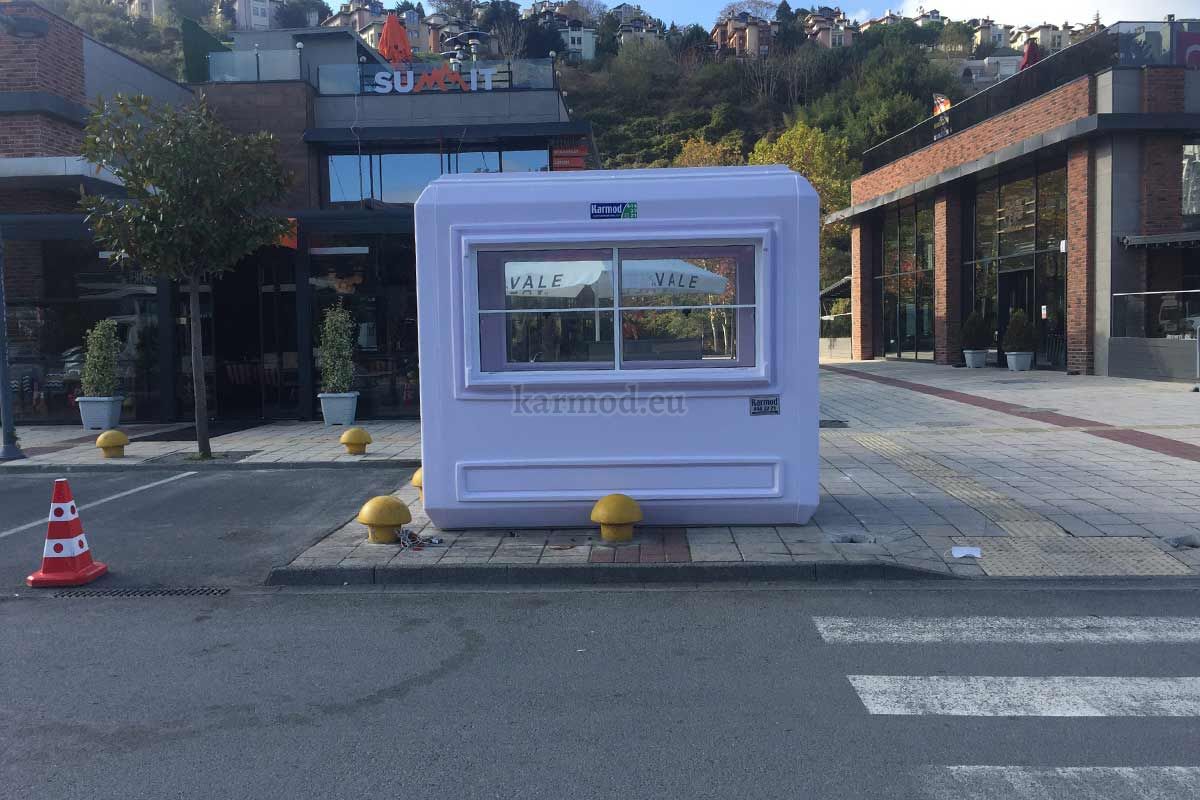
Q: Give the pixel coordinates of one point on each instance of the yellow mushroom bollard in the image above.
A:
(356, 441)
(616, 514)
(384, 516)
(112, 443)
(418, 480)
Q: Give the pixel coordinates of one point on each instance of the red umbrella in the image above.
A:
(1031, 56)
(393, 42)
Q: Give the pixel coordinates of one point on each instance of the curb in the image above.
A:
(583, 575)
(36, 469)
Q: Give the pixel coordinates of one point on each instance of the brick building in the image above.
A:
(360, 140)
(1070, 190)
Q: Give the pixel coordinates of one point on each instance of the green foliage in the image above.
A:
(100, 361)
(196, 192)
(976, 335)
(700, 153)
(152, 43)
(1020, 336)
(295, 13)
(336, 353)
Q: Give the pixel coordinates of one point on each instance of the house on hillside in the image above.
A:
(829, 27)
(1049, 38)
(579, 39)
(628, 12)
(639, 31)
(889, 18)
(991, 33)
(744, 35)
(924, 17)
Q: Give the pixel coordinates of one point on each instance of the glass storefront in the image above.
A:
(57, 290)
(1015, 226)
(396, 178)
(904, 284)
(374, 275)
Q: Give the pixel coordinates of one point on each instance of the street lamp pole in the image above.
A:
(9, 450)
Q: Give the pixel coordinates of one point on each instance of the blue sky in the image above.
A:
(1013, 12)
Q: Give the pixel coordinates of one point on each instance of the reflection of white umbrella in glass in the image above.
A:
(569, 278)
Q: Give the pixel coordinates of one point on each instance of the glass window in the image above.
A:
(1191, 179)
(924, 236)
(890, 342)
(908, 239)
(924, 324)
(985, 220)
(688, 304)
(908, 314)
(539, 307)
(526, 160)
(475, 161)
(62, 289)
(891, 261)
(1051, 208)
(685, 306)
(404, 175)
(1016, 216)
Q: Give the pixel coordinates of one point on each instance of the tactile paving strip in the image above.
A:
(1067, 556)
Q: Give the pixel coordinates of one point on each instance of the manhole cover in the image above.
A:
(834, 423)
(182, 591)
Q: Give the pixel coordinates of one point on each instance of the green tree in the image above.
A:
(825, 161)
(157, 46)
(700, 153)
(295, 13)
(195, 201)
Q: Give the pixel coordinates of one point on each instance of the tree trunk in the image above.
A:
(199, 387)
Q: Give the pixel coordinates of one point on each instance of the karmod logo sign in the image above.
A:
(614, 210)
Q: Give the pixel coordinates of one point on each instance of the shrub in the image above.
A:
(100, 360)
(975, 333)
(1020, 336)
(336, 354)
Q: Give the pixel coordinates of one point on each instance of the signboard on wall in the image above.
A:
(442, 79)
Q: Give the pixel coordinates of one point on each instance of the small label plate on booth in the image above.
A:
(767, 404)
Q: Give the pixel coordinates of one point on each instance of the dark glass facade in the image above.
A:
(904, 283)
(1014, 227)
(400, 177)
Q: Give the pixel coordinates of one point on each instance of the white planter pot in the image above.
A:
(1019, 362)
(338, 408)
(976, 359)
(100, 413)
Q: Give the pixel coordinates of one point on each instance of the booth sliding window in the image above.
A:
(676, 306)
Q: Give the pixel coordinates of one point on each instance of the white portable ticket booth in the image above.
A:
(649, 332)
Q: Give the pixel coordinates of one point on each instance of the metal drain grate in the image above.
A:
(183, 591)
(834, 423)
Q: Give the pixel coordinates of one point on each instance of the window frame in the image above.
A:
(468, 240)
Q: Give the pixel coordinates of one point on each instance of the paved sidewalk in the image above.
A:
(276, 443)
(1012, 464)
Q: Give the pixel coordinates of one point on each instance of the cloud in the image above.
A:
(1032, 12)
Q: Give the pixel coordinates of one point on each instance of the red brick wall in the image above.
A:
(53, 64)
(947, 276)
(286, 111)
(29, 135)
(1162, 184)
(1163, 90)
(862, 288)
(1055, 108)
(1080, 252)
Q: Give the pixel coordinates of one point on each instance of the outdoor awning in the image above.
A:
(837, 290)
(1181, 239)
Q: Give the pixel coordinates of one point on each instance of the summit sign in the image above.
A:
(442, 79)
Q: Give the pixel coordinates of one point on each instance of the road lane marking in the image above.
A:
(1009, 630)
(1054, 696)
(1056, 783)
(102, 501)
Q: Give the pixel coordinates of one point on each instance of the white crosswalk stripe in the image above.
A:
(1052, 696)
(1061, 783)
(1009, 630)
(1056, 696)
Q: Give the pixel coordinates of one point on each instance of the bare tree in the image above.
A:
(763, 9)
(509, 34)
(761, 76)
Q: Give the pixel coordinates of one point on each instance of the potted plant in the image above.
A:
(976, 339)
(336, 356)
(1019, 342)
(99, 404)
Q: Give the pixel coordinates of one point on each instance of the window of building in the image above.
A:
(905, 284)
(400, 177)
(1191, 181)
(838, 39)
(672, 307)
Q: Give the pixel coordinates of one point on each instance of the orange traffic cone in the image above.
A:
(66, 559)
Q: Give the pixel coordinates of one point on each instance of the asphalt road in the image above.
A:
(890, 692)
(181, 528)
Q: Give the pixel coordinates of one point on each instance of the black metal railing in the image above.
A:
(1122, 44)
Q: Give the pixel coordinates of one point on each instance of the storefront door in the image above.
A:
(1015, 291)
